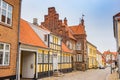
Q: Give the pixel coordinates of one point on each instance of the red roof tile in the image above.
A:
(28, 36)
(70, 35)
(78, 29)
(65, 49)
(118, 14)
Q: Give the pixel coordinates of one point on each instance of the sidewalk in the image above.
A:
(113, 76)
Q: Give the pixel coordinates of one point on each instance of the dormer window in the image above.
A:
(45, 37)
(5, 13)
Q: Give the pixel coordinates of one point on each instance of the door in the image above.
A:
(55, 62)
(28, 64)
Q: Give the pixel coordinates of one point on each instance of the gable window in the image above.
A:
(45, 37)
(5, 13)
(4, 54)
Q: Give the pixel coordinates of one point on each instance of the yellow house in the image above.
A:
(92, 51)
(99, 59)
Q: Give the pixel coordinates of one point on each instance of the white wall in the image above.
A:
(40, 32)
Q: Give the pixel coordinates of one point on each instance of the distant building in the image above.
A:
(110, 57)
(9, 36)
(73, 36)
(92, 55)
(99, 59)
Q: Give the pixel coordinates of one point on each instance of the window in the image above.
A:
(4, 54)
(51, 38)
(78, 46)
(79, 57)
(59, 59)
(45, 58)
(50, 58)
(40, 58)
(45, 37)
(5, 13)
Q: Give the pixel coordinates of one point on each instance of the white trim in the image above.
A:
(23, 49)
(31, 50)
(7, 11)
(4, 53)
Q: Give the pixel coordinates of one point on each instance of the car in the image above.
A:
(101, 67)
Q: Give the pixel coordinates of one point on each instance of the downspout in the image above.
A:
(18, 49)
(49, 55)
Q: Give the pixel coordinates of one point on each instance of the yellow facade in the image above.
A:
(92, 55)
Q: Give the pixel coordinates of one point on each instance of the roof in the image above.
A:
(91, 44)
(28, 36)
(65, 49)
(108, 53)
(70, 33)
(118, 14)
(78, 29)
(98, 52)
(41, 26)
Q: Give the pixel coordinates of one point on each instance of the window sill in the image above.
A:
(6, 25)
(4, 67)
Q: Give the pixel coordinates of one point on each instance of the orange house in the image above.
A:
(9, 25)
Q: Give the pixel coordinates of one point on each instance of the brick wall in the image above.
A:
(10, 35)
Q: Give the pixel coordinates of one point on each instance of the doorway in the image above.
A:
(27, 64)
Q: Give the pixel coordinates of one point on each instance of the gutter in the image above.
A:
(18, 51)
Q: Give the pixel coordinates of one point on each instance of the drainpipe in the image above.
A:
(48, 55)
(18, 49)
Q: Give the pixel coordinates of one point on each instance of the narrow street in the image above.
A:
(92, 74)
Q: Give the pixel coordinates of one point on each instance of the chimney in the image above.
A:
(65, 21)
(35, 21)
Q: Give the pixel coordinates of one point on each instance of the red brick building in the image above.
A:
(73, 36)
(9, 24)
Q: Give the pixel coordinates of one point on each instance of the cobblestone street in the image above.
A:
(93, 74)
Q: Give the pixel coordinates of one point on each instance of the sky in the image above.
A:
(98, 17)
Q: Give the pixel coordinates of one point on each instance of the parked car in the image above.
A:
(101, 67)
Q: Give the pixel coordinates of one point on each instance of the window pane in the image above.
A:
(3, 15)
(10, 8)
(40, 58)
(4, 5)
(7, 47)
(6, 61)
(9, 18)
(1, 46)
(1, 57)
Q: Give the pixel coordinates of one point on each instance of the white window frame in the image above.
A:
(4, 52)
(45, 58)
(79, 57)
(7, 11)
(40, 58)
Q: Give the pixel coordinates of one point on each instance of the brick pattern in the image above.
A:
(9, 34)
